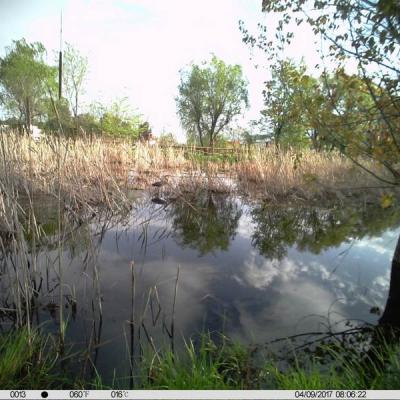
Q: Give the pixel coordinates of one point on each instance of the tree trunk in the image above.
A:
(386, 332)
(212, 134)
(212, 142)
(76, 105)
(76, 114)
(200, 135)
(391, 315)
(28, 116)
(315, 140)
(277, 135)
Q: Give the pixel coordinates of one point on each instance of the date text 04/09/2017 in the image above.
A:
(331, 394)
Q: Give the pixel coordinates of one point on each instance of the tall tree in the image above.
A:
(210, 96)
(369, 33)
(75, 68)
(285, 95)
(25, 80)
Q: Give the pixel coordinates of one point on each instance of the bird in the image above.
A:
(158, 200)
(162, 182)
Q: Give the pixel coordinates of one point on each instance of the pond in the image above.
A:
(210, 263)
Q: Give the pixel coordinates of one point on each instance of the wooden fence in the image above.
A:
(210, 150)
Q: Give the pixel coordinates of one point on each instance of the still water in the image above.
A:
(213, 263)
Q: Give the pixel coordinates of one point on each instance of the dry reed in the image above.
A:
(101, 171)
(84, 172)
(305, 172)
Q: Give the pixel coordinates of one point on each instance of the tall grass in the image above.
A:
(84, 172)
(27, 360)
(278, 171)
(100, 171)
(31, 361)
(345, 372)
(290, 173)
(205, 365)
(76, 176)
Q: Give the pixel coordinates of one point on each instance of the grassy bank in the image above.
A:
(31, 361)
(28, 360)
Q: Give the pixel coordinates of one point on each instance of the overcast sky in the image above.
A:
(136, 48)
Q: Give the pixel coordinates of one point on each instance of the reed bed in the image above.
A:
(273, 173)
(71, 177)
(101, 171)
(147, 158)
(81, 172)
(304, 172)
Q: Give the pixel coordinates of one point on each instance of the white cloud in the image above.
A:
(260, 273)
(380, 245)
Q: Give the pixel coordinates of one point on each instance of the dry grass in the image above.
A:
(80, 171)
(306, 172)
(100, 171)
(270, 172)
(156, 158)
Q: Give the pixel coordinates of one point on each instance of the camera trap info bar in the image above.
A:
(201, 394)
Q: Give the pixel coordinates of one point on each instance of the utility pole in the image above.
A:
(60, 63)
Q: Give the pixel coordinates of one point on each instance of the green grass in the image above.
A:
(212, 157)
(376, 368)
(25, 362)
(232, 366)
(227, 366)
(30, 362)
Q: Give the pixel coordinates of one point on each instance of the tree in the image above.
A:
(369, 33)
(210, 96)
(75, 68)
(334, 110)
(391, 315)
(347, 116)
(25, 80)
(120, 120)
(52, 119)
(167, 140)
(89, 123)
(285, 95)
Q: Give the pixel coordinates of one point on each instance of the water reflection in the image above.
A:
(316, 229)
(255, 273)
(206, 222)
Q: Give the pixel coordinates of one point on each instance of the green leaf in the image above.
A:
(386, 200)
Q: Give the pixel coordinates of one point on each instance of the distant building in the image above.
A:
(264, 140)
(233, 143)
(36, 133)
(261, 139)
